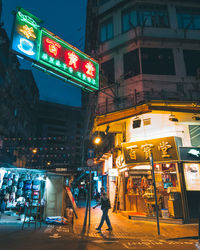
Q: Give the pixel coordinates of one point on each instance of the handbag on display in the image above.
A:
(19, 192)
(28, 194)
(5, 181)
(5, 175)
(10, 182)
(28, 186)
(10, 175)
(36, 182)
(35, 195)
(9, 189)
(12, 196)
(16, 178)
(35, 203)
(15, 183)
(14, 189)
(28, 182)
(23, 177)
(20, 184)
(3, 192)
(7, 196)
(36, 187)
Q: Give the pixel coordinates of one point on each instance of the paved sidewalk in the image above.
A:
(123, 228)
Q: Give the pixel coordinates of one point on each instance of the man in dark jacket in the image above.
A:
(105, 206)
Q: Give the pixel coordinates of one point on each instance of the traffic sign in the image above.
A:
(90, 162)
(90, 153)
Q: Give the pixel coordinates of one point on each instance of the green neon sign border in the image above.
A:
(38, 60)
(81, 54)
(69, 75)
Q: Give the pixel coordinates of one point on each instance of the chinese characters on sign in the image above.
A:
(52, 54)
(139, 152)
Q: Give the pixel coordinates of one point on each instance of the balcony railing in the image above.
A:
(139, 98)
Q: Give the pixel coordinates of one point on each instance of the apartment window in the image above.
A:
(106, 30)
(145, 15)
(150, 16)
(102, 2)
(157, 61)
(131, 64)
(192, 62)
(129, 19)
(195, 135)
(188, 18)
(108, 71)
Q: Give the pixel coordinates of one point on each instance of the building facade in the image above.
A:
(64, 124)
(149, 99)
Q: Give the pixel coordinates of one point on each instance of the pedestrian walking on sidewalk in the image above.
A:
(105, 206)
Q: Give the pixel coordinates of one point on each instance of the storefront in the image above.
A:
(21, 188)
(138, 183)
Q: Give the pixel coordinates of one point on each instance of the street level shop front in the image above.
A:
(171, 177)
(21, 187)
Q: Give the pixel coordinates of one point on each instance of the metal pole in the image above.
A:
(156, 201)
(90, 195)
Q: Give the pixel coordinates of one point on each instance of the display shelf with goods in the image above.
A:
(139, 193)
(19, 188)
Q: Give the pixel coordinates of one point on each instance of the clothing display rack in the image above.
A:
(33, 211)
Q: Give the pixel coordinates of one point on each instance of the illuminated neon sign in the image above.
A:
(51, 53)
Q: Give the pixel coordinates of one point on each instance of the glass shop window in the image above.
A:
(188, 18)
(157, 61)
(192, 61)
(131, 64)
(106, 30)
(108, 71)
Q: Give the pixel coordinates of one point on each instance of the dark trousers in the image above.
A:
(104, 218)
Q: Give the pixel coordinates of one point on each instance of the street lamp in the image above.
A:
(97, 139)
(34, 151)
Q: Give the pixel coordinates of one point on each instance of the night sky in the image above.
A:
(64, 18)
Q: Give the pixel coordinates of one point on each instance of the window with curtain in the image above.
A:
(145, 15)
(106, 30)
(188, 18)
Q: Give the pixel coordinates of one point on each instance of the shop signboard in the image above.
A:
(189, 153)
(163, 150)
(192, 176)
(73, 203)
(51, 54)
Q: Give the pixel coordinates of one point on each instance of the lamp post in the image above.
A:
(155, 194)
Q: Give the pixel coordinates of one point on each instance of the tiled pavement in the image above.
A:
(123, 228)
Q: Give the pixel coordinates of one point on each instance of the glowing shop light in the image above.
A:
(73, 59)
(28, 19)
(90, 69)
(53, 46)
(27, 32)
(26, 46)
